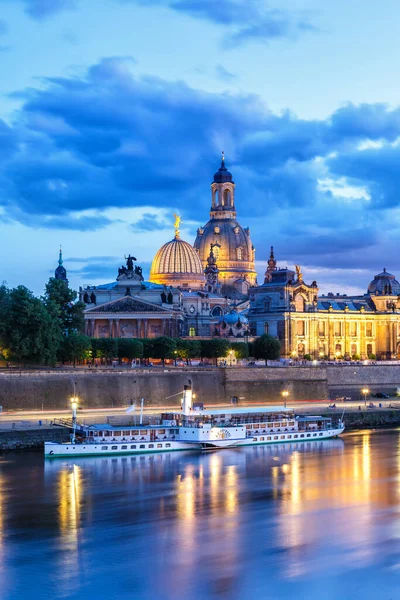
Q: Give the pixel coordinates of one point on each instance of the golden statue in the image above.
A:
(299, 273)
(176, 225)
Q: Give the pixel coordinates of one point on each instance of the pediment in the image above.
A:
(127, 304)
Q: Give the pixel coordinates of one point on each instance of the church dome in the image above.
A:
(384, 284)
(223, 175)
(178, 264)
(234, 318)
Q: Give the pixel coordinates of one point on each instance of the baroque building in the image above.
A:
(331, 326)
(232, 246)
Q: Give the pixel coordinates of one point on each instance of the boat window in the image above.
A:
(308, 434)
(117, 433)
(314, 435)
(283, 437)
(105, 433)
(161, 431)
(143, 432)
(248, 426)
(136, 432)
(114, 447)
(261, 439)
(302, 435)
(295, 435)
(159, 445)
(124, 447)
(268, 437)
(254, 439)
(168, 445)
(151, 445)
(104, 447)
(133, 447)
(275, 437)
(263, 425)
(90, 433)
(256, 426)
(127, 433)
(142, 446)
(289, 437)
(320, 434)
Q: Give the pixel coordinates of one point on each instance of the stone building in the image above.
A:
(332, 326)
(232, 246)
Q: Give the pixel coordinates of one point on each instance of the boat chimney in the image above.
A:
(187, 399)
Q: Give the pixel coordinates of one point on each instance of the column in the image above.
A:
(146, 328)
(363, 349)
(163, 327)
(139, 328)
(331, 342)
(117, 332)
(110, 328)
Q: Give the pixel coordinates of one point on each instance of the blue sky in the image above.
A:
(113, 114)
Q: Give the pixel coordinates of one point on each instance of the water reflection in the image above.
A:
(223, 525)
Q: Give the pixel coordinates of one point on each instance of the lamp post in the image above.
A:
(365, 391)
(285, 394)
(74, 406)
(175, 353)
(230, 357)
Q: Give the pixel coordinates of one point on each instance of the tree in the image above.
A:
(163, 347)
(187, 349)
(129, 348)
(267, 347)
(215, 348)
(75, 348)
(61, 303)
(241, 349)
(106, 348)
(28, 332)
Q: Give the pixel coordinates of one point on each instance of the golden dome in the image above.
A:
(178, 264)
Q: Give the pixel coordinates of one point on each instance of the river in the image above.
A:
(318, 520)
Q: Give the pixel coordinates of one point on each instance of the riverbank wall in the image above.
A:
(32, 439)
(52, 389)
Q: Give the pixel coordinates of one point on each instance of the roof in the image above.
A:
(244, 411)
(127, 304)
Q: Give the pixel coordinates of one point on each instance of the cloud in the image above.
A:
(81, 148)
(224, 74)
(244, 20)
(42, 9)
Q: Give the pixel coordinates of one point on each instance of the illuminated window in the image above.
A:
(239, 253)
(368, 329)
(192, 332)
(338, 328)
(301, 328)
(321, 328)
(353, 329)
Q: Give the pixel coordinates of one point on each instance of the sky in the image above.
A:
(114, 113)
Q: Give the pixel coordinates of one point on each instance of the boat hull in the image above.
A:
(63, 450)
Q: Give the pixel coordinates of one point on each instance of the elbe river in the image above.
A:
(317, 520)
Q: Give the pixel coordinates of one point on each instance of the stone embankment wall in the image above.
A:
(51, 390)
(31, 439)
(370, 419)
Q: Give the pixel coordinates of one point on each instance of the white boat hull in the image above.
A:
(55, 450)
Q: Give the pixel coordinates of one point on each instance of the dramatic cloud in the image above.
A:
(82, 147)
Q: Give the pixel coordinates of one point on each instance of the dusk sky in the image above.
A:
(113, 115)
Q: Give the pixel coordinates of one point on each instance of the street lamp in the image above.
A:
(74, 406)
(175, 353)
(285, 394)
(365, 391)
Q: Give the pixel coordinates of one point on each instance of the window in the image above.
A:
(168, 445)
(268, 437)
(353, 329)
(124, 447)
(159, 445)
(321, 328)
(301, 328)
(192, 332)
(368, 329)
(117, 433)
(302, 435)
(133, 447)
(216, 311)
(338, 328)
(104, 447)
(299, 303)
(151, 445)
(275, 437)
(320, 434)
(239, 253)
(283, 437)
(308, 434)
(114, 447)
(289, 437)
(227, 198)
(143, 432)
(353, 349)
(295, 435)
(369, 350)
(314, 435)
(254, 439)
(142, 446)
(266, 328)
(261, 439)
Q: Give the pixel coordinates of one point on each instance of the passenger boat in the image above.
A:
(196, 429)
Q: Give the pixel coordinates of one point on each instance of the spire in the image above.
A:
(223, 159)
(60, 259)
(60, 272)
(271, 266)
(271, 256)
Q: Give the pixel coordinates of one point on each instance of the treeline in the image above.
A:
(49, 329)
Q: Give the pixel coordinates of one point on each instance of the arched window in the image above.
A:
(301, 328)
(266, 328)
(369, 350)
(239, 253)
(338, 349)
(216, 251)
(227, 198)
(353, 349)
(216, 311)
(192, 332)
(301, 349)
(299, 303)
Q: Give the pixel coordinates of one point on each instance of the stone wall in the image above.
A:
(31, 439)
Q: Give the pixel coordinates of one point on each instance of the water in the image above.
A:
(315, 520)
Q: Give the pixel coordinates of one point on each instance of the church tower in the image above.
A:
(61, 272)
(233, 251)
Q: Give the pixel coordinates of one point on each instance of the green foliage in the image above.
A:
(75, 348)
(267, 347)
(129, 348)
(215, 348)
(187, 349)
(104, 348)
(163, 347)
(59, 300)
(355, 357)
(28, 332)
(372, 356)
(241, 349)
(148, 351)
(307, 357)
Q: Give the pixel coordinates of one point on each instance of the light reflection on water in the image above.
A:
(316, 520)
